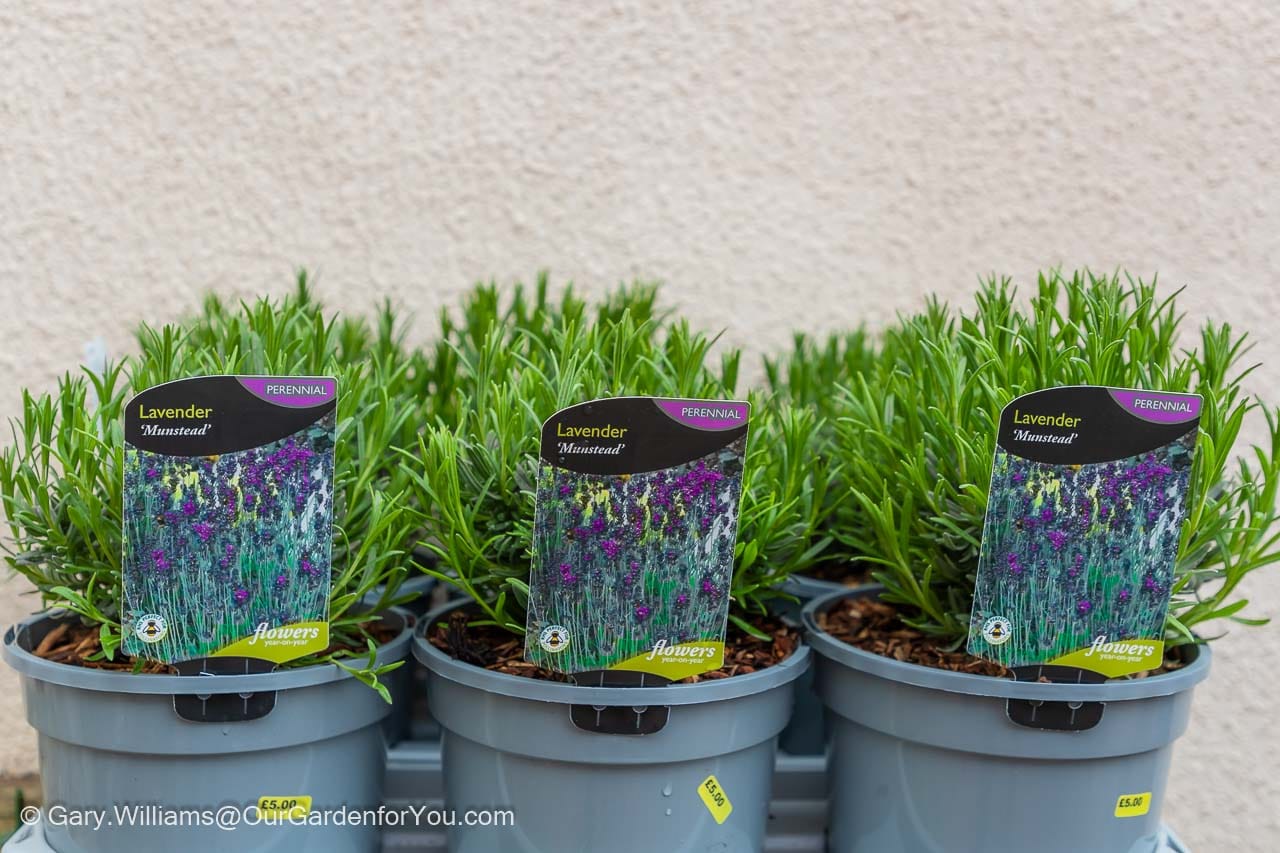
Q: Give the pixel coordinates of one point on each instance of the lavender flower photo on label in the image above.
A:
(629, 562)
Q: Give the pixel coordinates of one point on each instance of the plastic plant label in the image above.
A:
(1086, 509)
(1133, 805)
(634, 532)
(228, 518)
(715, 799)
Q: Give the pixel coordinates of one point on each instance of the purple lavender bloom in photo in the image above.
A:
(1014, 566)
(202, 530)
(153, 472)
(1057, 539)
(567, 577)
(1125, 595)
(282, 580)
(241, 595)
(597, 524)
(1084, 607)
(611, 548)
(189, 507)
(566, 490)
(682, 599)
(1150, 584)
(642, 612)
(1046, 515)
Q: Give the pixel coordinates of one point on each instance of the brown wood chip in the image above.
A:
(496, 650)
(873, 626)
(50, 639)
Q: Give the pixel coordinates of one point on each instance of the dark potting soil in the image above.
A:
(501, 651)
(74, 643)
(874, 626)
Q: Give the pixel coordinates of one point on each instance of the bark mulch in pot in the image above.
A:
(497, 650)
(77, 644)
(876, 627)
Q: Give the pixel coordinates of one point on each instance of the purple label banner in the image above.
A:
(297, 392)
(1159, 407)
(711, 415)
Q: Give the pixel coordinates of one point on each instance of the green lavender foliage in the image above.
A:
(804, 383)
(61, 478)
(918, 435)
(520, 315)
(814, 368)
(478, 476)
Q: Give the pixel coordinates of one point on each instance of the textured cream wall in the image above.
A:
(780, 164)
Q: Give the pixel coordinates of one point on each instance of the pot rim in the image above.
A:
(107, 681)
(515, 686)
(826, 646)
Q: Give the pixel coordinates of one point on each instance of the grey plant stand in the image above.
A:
(797, 814)
(797, 821)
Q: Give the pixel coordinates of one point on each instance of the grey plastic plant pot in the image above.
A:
(513, 743)
(109, 739)
(924, 761)
(806, 734)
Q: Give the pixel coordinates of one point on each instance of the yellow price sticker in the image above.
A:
(1133, 805)
(284, 807)
(715, 799)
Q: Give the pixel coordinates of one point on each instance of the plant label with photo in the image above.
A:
(1083, 524)
(228, 518)
(634, 533)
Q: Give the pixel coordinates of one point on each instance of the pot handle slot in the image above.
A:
(638, 719)
(1065, 716)
(223, 707)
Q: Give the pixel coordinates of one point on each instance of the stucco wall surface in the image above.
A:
(781, 164)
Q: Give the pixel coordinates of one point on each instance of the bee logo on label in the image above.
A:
(554, 638)
(151, 628)
(997, 630)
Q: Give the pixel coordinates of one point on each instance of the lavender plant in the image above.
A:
(477, 479)
(61, 479)
(918, 434)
